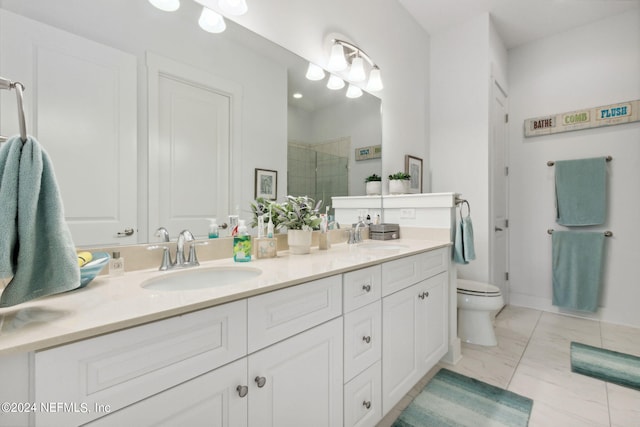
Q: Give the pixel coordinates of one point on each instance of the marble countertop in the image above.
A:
(109, 303)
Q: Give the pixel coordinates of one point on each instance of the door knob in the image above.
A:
(126, 232)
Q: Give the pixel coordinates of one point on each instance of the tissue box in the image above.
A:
(384, 231)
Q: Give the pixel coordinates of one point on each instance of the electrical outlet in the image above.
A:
(407, 213)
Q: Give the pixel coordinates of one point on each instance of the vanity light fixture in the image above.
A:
(211, 21)
(344, 54)
(233, 7)
(166, 5)
(354, 91)
(335, 82)
(314, 72)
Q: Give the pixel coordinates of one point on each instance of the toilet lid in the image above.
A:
(470, 287)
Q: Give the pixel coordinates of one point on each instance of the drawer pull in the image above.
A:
(242, 390)
(261, 381)
(366, 339)
(424, 295)
(366, 404)
(366, 288)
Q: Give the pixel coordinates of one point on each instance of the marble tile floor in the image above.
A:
(533, 359)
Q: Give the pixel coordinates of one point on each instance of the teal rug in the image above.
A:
(611, 366)
(454, 400)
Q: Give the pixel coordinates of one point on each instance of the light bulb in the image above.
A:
(314, 72)
(356, 73)
(337, 61)
(375, 80)
(335, 82)
(211, 21)
(354, 92)
(233, 7)
(166, 5)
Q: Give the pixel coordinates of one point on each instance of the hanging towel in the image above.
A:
(463, 247)
(577, 258)
(36, 248)
(581, 191)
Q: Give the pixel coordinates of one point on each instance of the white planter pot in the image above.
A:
(398, 186)
(373, 188)
(299, 241)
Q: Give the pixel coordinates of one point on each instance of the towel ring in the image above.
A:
(468, 208)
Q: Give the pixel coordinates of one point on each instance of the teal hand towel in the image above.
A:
(577, 258)
(36, 248)
(463, 246)
(581, 191)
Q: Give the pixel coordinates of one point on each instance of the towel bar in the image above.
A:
(19, 88)
(551, 162)
(606, 233)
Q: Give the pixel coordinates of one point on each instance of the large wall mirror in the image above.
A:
(151, 121)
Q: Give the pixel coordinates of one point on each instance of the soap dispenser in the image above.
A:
(242, 244)
(213, 228)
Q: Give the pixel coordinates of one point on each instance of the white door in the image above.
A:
(298, 382)
(499, 232)
(80, 102)
(190, 117)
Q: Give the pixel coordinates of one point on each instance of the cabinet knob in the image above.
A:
(366, 288)
(423, 295)
(261, 381)
(242, 390)
(366, 404)
(366, 339)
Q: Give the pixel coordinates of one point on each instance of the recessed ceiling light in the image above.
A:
(297, 95)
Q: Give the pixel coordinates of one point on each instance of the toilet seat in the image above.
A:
(480, 289)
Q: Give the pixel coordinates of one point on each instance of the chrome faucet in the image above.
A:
(355, 235)
(185, 236)
(163, 234)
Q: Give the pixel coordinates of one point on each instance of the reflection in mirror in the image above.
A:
(113, 180)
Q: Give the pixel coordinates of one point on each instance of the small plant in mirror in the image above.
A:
(400, 176)
(297, 213)
(372, 178)
(264, 207)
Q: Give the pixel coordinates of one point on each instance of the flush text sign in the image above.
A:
(607, 115)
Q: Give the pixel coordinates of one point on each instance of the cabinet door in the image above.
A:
(362, 339)
(436, 301)
(212, 399)
(298, 382)
(363, 398)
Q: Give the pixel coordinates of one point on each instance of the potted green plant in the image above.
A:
(399, 183)
(299, 216)
(373, 185)
(264, 207)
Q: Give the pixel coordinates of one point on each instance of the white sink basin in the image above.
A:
(382, 246)
(200, 278)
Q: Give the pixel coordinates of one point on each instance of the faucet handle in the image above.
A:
(193, 257)
(166, 256)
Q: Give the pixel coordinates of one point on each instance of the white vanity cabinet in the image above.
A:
(414, 328)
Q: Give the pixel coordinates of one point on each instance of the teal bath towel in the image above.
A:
(581, 191)
(577, 258)
(36, 249)
(463, 246)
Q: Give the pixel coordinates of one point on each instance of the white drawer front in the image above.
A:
(277, 315)
(361, 287)
(362, 339)
(400, 273)
(363, 398)
(123, 367)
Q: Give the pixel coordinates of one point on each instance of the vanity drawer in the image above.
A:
(363, 398)
(361, 287)
(362, 339)
(280, 314)
(124, 367)
(400, 273)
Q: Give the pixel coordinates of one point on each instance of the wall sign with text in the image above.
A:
(607, 115)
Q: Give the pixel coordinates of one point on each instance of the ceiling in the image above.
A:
(517, 21)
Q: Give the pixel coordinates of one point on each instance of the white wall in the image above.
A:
(589, 66)
(461, 69)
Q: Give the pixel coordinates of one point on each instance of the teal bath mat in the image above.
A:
(454, 400)
(607, 365)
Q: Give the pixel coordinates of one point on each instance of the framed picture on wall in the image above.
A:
(413, 166)
(266, 184)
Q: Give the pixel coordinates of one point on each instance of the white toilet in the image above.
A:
(476, 301)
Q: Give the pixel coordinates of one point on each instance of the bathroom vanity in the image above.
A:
(328, 339)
